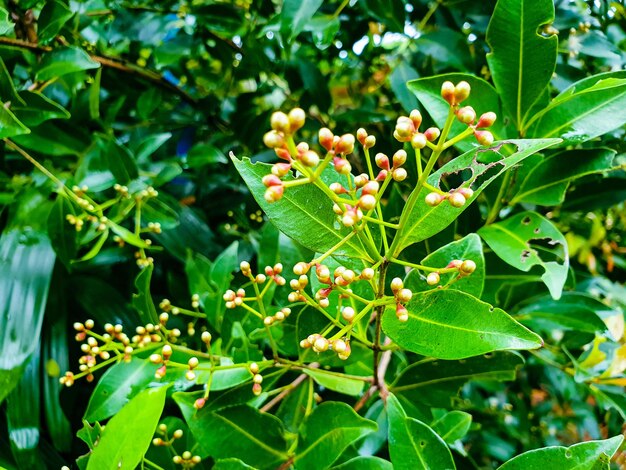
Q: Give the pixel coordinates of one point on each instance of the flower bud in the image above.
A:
(256, 389)
(486, 120)
(382, 175)
(296, 119)
(433, 199)
(432, 134)
(416, 117)
(396, 284)
(301, 268)
(360, 180)
(283, 153)
(166, 352)
(323, 273)
(402, 313)
(418, 141)
(447, 92)
(274, 193)
(273, 139)
(205, 337)
(348, 314)
(456, 200)
(361, 135)
(399, 174)
(468, 267)
(342, 166)
(199, 403)
(404, 295)
(339, 346)
(382, 161)
(466, 192)
(461, 91)
(280, 122)
(349, 218)
(367, 274)
(370, 141)
(371, 187)
(257, 379)
(325, 137)
(367, 202)
(404, 129)
(345, 145)
(310, 158)
(433, 279)
(466, 115)
(484, 137)
(320, 345)
(399, 158)
(271, 180)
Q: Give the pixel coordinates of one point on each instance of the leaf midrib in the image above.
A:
(251, 437)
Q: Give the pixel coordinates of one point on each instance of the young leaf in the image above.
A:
(336, 382)
(512, 240)
(547, 180)
(64, 60)
(128, 434)
(436, 383)
(585, 110)
(304, 213)
(521, 60)
(453, 425)
(483, 98)
(425, 221)
(449, 324)
(412, 444)
(589, 455)
(470, 248)
(327, 432)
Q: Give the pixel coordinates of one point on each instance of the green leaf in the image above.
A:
(585, 110)
(119, 160)
(412, 444)
(5, 24)
(9, 125)
(64, 60)
(142, 300)
(336, 381)
(515, 240)
(591, 455)
(7, 87)
(453, 425)
(521, 60)
(204, 154)
(293, 408)
(485, 166)
(365, 463)
(295, 15)
(117, 386)
(469, 247)
(128, 434)
(436, 383)
(390, 13)
(450, 324)
(327, 432)
(231, 464)
(304, 213)
(398, 79)
(53, 16)
(62, 234)
(244, 432)
(323, 28)
(547, 180)
(38, 108)
(573, 311)
(483, 98)
(94, 96)
(129, 237)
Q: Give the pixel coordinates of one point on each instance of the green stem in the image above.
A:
(497, 204)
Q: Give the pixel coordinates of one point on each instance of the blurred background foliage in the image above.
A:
(156, 94)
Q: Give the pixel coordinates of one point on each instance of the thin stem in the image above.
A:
(497, 205)
(422, 267)
(381, 222)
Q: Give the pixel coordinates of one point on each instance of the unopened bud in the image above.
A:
(382, 161)
(468, 267)
(367, 202)
(456, 199)
(399, 174)
(320, 345)
(271, 180)
(339, 346)
(348, 314)
(371, 187)
(461, 91)
(486, 120)
(433, 279)
(402, 313)
(281, 169)
(367, 274)
(416, 117)
(447, 92)
(310, 158)
(404, 295)
(484, 138)
(466, 192)
(274, 193)
(273, 139)
(296, 119)
(361, 135)
(432, 134)
(399, 158)
(418, 141)
(370, 141)
(345, 145)
(396, 284)
(433, 199)
(466, 115)
(280, 122)
(325, 137)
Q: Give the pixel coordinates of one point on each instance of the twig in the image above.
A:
(290, 388)
(113, 63)
(366, 396)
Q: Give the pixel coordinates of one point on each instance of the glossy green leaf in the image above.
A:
(468, 247)
(425, 221)
(331, 428)
(521, 60)
(5, 24)
(365, 463)
(336, 382)
(323, 28)
(587, 109)
(403, 73)
(293, 408)
(453, 425)
(64, 60)
(304, 213)
(573, 311)
(390, 13)
(295, 15)
(53, 16)
(9, 124)
(119, 161)
(517, 240)
(203, 155)
(7, 87)
(129, 237)
(591, 455)
(547, 180)
(436, 383)
(412, 444)
(63, 235)
(128, 434)
(244, 432)
(117, 386)
(142, 300)
(483, 98)
(231, 464)
(449, 324)
(37, 108)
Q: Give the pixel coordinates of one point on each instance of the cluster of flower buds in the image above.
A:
(298, 285)
(234, 299)
(341, 277)
(464, 267)
(186, 460)
(407, 130)
(319, 344)
(454, 95)
(162, 359)
(149, 333)
(257, 379)
(457, 197)
(165, 440)
(366, 140)
(402, 296)
(278, 316)
(75, 221)
(275, 274)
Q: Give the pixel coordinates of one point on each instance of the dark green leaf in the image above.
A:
(412, 444)
(53, 16)
(231, 464)
(37, 108)
(9, 125)
(5, 24)
(398, 79)
(590, 455)
(62, 234)
(94, 96)
(453, 425)
(331, 428)
(336, 382)
(365, 463)
(521, 60)
(142, 300)
(295, 15)
(515, 241)
(64, 60)
(129, 433)
(7, 87)
(204, 154)
(450, 324)
(390, 13)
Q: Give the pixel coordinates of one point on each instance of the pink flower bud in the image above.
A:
(432, 134)
(399, 158)
(199, 403)
(325, 137)
(371, 187)
(337, 188)
(342, 166)
(280, 169)
(302, 147)
(271, 180)
(382, 175)
(484, 138)
(283, 153)
(466, 192)
(361, 180)
(433, 199)
(274, 193)
(361, 135)
(486, 120)
(466, 115)
(345, 145)
(461, 91)
(382, 161)
(416, 117)
(296, 119)
(402, 313)
(310, 158)
(447, 92)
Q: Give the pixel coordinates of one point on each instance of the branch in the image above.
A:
(113, 63)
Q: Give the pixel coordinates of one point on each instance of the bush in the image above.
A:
(421, 268)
